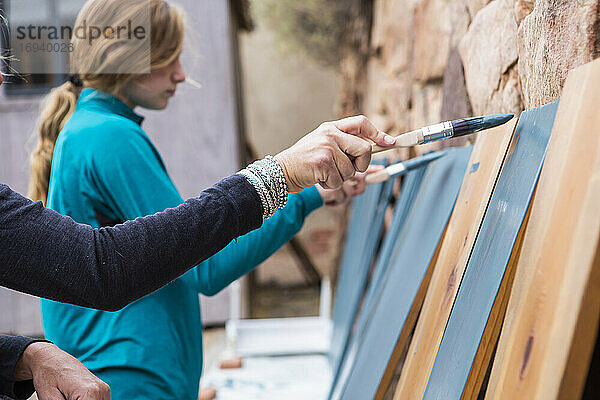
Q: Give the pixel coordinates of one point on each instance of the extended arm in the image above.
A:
(248, 251)
(108, 268)
(52, 256)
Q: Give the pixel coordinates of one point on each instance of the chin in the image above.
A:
(157, 105)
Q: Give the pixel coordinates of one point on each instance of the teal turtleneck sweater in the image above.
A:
(105, 165)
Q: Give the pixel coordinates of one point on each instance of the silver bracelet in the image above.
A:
(257, 184)
(268, 179)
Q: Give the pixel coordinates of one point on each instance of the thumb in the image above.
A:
(360, 125)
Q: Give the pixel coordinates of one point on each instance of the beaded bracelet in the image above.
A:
(268, 179)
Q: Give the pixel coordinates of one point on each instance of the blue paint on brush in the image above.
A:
(466, 126)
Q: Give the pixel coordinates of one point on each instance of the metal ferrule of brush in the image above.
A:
(435, 132)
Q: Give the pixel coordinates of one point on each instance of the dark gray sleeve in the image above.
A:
(51, 256)
(11, 350)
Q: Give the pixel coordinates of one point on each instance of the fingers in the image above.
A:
(343, 164)
(335, 197)
(331, 154)
(97, 390)
(333, 179)
(357, 148)
(359, 184)
(48, 393)
(360, 125)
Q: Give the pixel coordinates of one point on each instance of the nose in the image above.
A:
(178, 75)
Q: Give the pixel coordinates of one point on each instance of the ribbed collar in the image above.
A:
(96, 99)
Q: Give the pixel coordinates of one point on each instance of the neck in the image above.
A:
(125, 100)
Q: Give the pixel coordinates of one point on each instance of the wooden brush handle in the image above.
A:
(407, 139)
(377, 177)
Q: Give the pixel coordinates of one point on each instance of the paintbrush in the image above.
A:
(192, 82)
(402, 168)
(446, 130)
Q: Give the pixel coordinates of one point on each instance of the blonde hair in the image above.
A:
(96, 61)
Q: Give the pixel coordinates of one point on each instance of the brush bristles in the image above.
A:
(466, 126)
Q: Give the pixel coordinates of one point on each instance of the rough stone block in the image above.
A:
(397, 92)
(489, 54)
(432, 30)
(398, 48)
(375, 101)
(459, 19)
(522, 9)
(475, 6)
(455, 100)
(556, 37)
(426, 105)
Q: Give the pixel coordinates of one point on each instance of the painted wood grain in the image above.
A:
(370, 350)
(492, 252)
(479, 181)
(410, 187)
(550, 329)
(363, 235)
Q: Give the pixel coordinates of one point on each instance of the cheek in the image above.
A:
(145, 86)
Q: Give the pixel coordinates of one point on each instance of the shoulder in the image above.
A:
(101, 139)
(97, 130)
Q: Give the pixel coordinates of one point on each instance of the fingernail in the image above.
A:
(389, 139)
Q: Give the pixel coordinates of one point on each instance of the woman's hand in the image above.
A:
(331, 154)
(350, 188)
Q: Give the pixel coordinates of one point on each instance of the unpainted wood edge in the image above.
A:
(584, 337)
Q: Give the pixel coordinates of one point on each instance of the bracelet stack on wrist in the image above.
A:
(267, 177)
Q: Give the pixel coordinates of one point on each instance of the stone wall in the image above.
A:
(433, 60)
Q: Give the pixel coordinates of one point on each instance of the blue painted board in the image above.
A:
(363, 236)
(491, 253)
(368, 353)
(410, 186)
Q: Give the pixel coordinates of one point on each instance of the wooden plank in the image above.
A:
(492, 252)
(550, 329)
(370, 350)
(407, 329)
(410, 187)
(364, 232)
(478, 184)
(490, 335)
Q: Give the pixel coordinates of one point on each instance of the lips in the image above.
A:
(171, 92)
